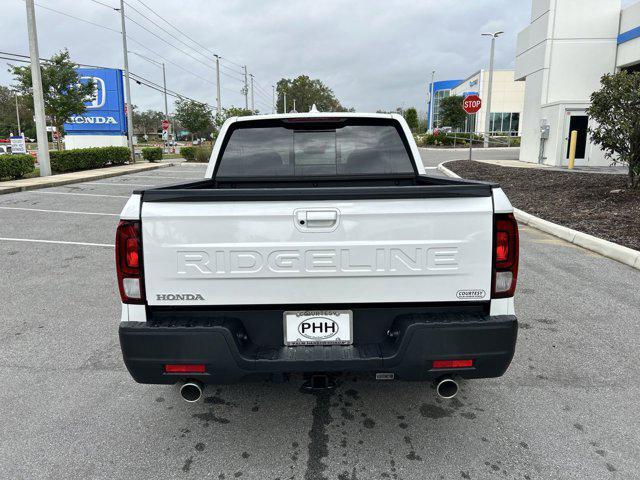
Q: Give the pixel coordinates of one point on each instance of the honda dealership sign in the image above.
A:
(105, 110)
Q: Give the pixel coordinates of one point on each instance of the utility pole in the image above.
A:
(246, 90)
(166, 103)
(218, 100)
(273, 97)
(18, 116)
(127, 84)
(253, 107)
(487, 123)
(432, 100)
(38, 97)
(284, 103)
(294, 106)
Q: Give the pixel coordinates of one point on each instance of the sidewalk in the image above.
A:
(35, 183)
(610, 170)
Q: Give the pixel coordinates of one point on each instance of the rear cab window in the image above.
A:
(309, 147)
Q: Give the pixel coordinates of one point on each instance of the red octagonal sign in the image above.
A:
(472, 104)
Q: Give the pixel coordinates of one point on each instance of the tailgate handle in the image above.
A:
(317, 219)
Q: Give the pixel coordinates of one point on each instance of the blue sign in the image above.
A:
(105, 110)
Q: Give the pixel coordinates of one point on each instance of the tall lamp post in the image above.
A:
(487, 123)
(431, 99)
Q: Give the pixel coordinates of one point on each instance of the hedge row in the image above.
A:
(152, 154)
(87, 158)
(188, 153)
(16, 166)
(196, 154)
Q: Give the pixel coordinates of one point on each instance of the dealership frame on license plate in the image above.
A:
(318, 327)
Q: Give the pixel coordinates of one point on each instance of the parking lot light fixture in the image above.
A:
(487, 124)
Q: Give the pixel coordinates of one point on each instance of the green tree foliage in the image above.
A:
(615, 111)
(232, 112)
(451, 113)
(307, 92)
(195, 117)
(64, 94)
(8, 119)
(149, 121)
(411, 116)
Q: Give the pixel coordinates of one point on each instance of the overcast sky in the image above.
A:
(374, 54)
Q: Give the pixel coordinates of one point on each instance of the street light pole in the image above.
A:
(127, 84)
(18, 116)
(38, 96)
(218, 100)
(253, 107)
(284, 102)
(273, 98)
(487, 123)
(431, 100)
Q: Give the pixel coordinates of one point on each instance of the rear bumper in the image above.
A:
(226, 346)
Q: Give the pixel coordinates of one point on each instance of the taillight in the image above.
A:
(506, 253)
(129, 261)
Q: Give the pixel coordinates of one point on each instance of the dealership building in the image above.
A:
(507, 101)
(560, 58)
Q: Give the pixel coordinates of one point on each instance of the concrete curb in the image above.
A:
(466, 149)
(620, 253)
(77, 177)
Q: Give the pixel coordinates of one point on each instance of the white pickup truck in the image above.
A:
(316, 244)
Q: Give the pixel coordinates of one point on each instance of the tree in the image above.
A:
(411, 116)
(451, 113)
(194, 116)
(615, 113)
(307, 92)
(8, 119)
(233, 112)
(64, 93)
(149, 121)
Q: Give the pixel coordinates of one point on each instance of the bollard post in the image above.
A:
(572, 148)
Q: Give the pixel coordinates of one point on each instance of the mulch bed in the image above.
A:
(587, 202)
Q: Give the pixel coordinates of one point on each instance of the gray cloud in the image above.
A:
(373, 53)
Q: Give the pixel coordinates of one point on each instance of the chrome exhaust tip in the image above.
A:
(447, 388)
(191, 391)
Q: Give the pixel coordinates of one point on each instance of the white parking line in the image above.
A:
(80, 194)
(122, 184)
(135, 175)
(59, 211)
(60, 242)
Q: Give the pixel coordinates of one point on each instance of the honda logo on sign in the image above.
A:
(99, 97)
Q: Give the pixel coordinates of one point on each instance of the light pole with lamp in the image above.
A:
(487, 123)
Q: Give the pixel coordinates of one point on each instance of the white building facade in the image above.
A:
(507, 102)
(560, 58)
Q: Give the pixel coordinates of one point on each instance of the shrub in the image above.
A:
(188, 153)
(86, 158)
(16, 166)
(152, 154)
(203, 154)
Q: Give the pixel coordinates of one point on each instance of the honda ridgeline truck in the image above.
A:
(317, 244)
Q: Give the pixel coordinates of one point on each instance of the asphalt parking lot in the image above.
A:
(566, 409)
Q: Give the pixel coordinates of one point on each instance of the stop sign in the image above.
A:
(472, 104)
(165, 124)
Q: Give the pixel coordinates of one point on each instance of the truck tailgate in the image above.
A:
(317, 252)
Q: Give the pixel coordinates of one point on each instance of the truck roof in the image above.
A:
(286, 116)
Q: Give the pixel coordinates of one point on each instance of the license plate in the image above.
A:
(318, 327)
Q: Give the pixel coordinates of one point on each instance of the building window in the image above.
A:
(438, 97)
(506, 123)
